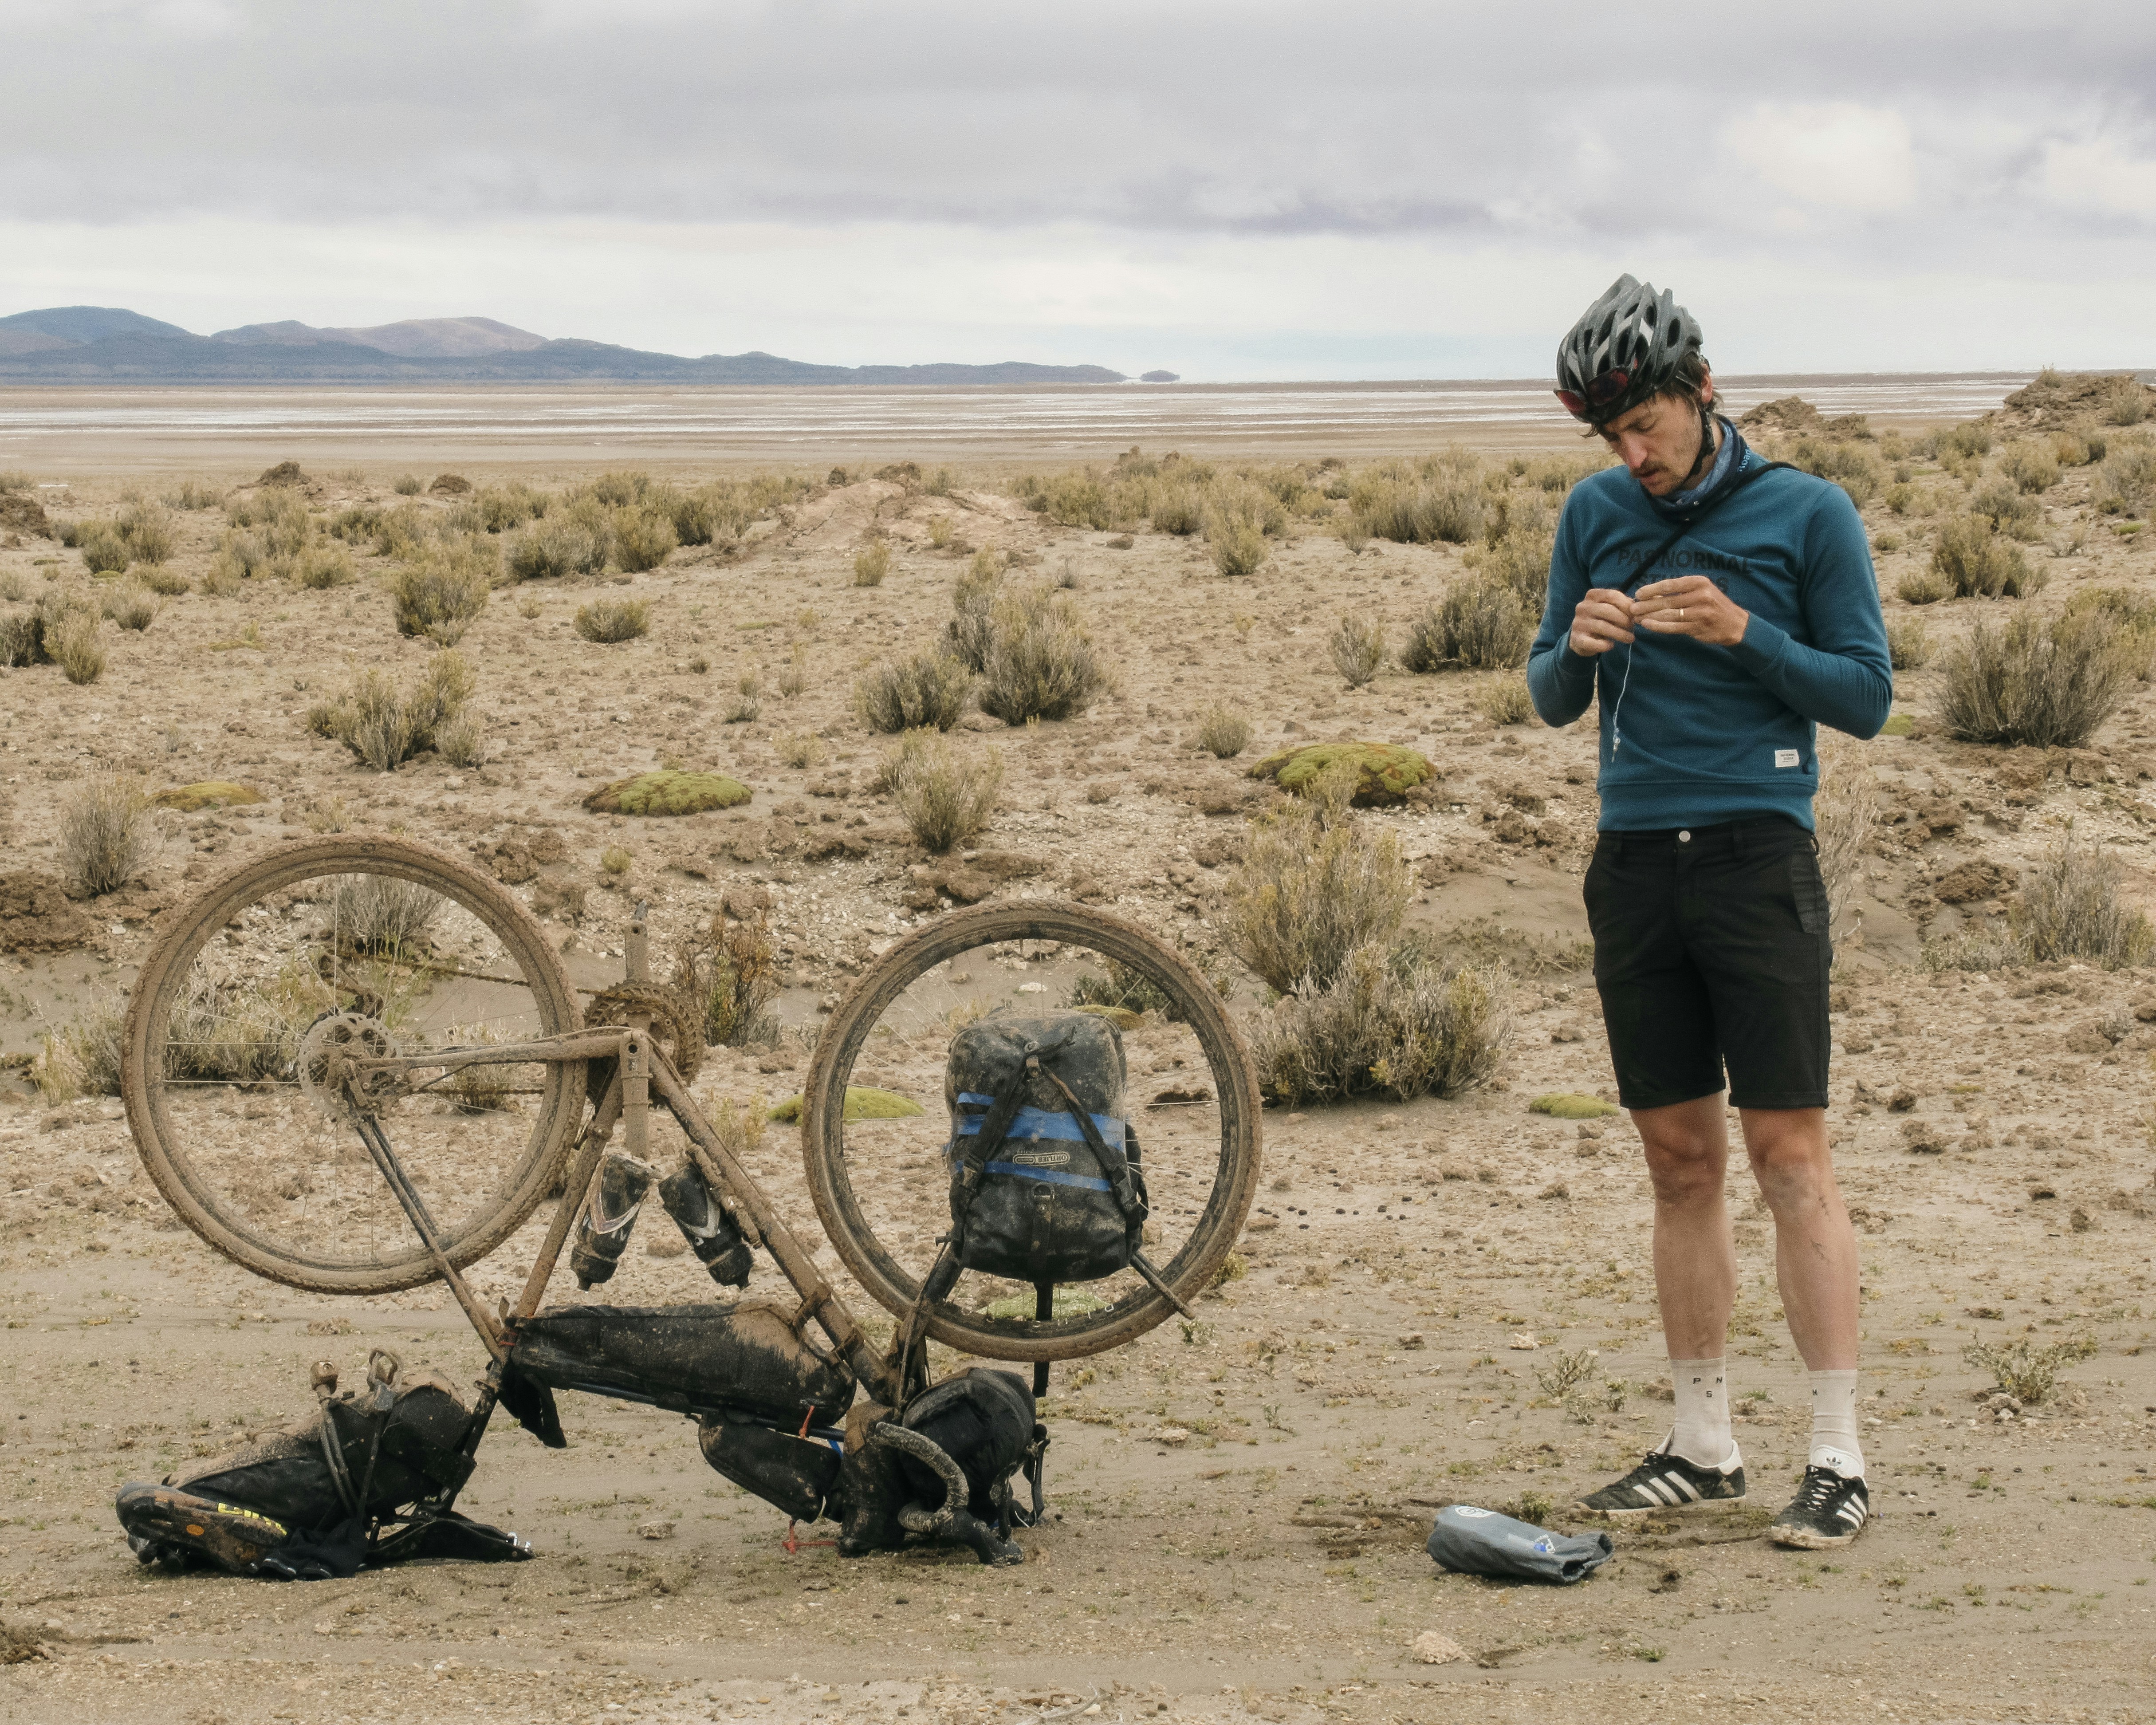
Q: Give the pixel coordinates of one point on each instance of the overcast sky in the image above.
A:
(1231, 191)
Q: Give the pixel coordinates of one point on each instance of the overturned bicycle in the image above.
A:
(354, 1066)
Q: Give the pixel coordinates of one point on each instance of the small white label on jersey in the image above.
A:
(1785, 757)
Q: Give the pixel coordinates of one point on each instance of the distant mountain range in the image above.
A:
(98, 344)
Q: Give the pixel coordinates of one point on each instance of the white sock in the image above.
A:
(1701, 1433)
(1834, 1442)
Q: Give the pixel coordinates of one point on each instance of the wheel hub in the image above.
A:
(333, 1042)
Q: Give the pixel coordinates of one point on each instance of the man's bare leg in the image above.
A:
(1687, 1145)
(1815, 1245)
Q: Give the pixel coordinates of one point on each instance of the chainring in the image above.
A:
(674, 1025)
(330, 1041)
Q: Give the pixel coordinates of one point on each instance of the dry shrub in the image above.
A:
(643, 538)
(439, 594)
(1845, 811)
(2033, 467)
(2135, 616)
(1852, 466)
(1313, 886)
(747, 702)
(1224, 730)
(461, 741)
(2009, 512)
(794, 679)
(1438, 499)
(971, 632)
(1479, 623)
(322, 567)
(408, 484)
(1977, 561)
(104, 552)
(1909, 642)
(194, 494)
(1238, 517)
(946, 796)
(1177, 509)
(2049, 682)
(1357, 647)
(2128, 480)
(148, 529)
(2070, 910)
(108, 835)
(1403, 1022)
(730, 974)
(1041, 662)
(1077, 499)
(2125, 402)
(71, 642)
(384, 727)
(379, 915)
(1521, 559)
(939, 532)
(1921, 586)
(612, 621)
(554, 548)
(929, 691)
(1505, 701)
(163, 583)
(134, 607)
(80, 1058)
(871, 563)
(798, 749)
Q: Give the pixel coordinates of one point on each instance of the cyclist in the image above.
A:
(1721, 607)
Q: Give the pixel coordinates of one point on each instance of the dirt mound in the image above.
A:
(20, 513)
(35, 916)
(1791, 412)
(2056, 400)
(284, 473)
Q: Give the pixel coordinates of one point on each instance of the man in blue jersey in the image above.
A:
(1721, 609)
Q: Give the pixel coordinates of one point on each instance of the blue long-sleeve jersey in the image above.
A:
(1707, 734)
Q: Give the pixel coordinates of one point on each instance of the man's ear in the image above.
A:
(1707, 390)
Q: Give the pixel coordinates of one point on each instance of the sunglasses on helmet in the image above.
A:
(1599, 392)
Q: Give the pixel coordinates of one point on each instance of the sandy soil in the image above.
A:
(1376, 1355)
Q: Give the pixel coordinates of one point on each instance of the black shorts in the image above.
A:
(1711, 946)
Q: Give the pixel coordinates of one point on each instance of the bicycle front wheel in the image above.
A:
(384, 946)
(879, 1184)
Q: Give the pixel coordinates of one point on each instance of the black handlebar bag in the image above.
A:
(1045, 1182)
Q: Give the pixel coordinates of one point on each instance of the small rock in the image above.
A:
(655, 1530)
(665, 1245)
(1901, 1102)
(1413, 1341)
(1431, 1648)
(1173, 1435)
(1524, 1341)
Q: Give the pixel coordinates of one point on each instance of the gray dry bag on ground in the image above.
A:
(1480, 1542)
(1045, 1185)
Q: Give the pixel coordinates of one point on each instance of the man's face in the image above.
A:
(1658, 441)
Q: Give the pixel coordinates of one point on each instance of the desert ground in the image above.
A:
(1993, 1129)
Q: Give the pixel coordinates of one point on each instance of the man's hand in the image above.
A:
(1689, 605)
(1601, 621)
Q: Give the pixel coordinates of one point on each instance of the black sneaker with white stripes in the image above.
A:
(1664, 1482)
(1828, 1510)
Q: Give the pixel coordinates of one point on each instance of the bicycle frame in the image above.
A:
(641, 1069)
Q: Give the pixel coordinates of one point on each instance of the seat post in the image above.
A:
(636, 1061)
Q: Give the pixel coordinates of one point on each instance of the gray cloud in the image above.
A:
(1208, 118)
(1878, 184)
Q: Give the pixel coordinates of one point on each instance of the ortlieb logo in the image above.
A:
(1035, 1157)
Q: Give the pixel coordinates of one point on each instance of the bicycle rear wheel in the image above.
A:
(877, 1183)
(376, 943)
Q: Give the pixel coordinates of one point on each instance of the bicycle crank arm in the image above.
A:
(415, 1211)
(818, 1299)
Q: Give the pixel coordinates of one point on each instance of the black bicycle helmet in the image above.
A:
(1626, 348)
